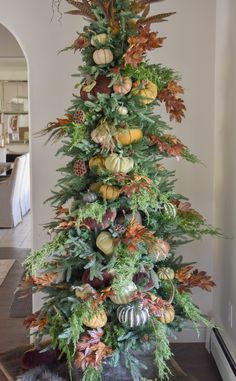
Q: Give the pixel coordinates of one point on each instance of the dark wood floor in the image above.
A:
(18, 334)
(192, 357)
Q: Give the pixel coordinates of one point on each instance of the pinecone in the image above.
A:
(80, 168)
(79, 116)
(119, 230)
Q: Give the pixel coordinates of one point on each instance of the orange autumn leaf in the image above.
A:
(140, 44)
(136, 183)
(33, 321)
(137, 233)
(175, 88)
(44, 280)
(174, 105)
(168, 144)
(190, 279)
(183, 273)
(91, 351)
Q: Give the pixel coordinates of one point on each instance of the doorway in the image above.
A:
(14, 141)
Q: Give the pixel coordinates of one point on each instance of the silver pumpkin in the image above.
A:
(132, 316)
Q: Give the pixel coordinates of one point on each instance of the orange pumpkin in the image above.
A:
(98, 320)
(123, 86)
(147, 90)
(96, 164)
(168, 315)
(109, 192)
(126, 137)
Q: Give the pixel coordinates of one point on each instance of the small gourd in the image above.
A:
(105, 243)
(109, 192)
(122, 110)
(125, 295)
(90, 197)
(84, 291)
(147, 90)
(168, 315)
(97, 164)
(159, 250)
(123, 86)
(98, 320)
(129, 136)
(166, 273)
(169, 210)
(99, 39)
(103, 56)
(132, 316)
(115, 163)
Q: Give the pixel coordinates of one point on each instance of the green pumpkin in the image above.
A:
(169, 210)
(105, 243)
(166, 273)
(125, 295)
(132, 316)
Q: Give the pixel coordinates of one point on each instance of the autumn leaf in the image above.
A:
(80, 43)
(168, 144)
(136, 183)
(189, 279)
(155, 305)
(33, 321)
(91, 351)
(174, 105)
(186, 207)
(140, 44)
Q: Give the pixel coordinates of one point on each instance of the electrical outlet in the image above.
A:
(230, 314)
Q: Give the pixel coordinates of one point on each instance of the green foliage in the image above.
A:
(189, 311)
(125, 265)
(96, 211)
(163, 352)
(155, 73)
(39, 258)
(92, 374)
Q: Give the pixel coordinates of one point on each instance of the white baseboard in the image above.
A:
(222, 362)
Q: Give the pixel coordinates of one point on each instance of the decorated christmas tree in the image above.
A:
(113, 281)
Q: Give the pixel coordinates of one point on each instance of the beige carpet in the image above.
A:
(5, 267)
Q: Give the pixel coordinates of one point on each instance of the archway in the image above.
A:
(15, 230)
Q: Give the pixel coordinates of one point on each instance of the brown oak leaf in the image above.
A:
(190, 279)
(91, 351)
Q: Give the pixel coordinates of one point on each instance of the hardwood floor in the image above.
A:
(12, 332)
(20, 236)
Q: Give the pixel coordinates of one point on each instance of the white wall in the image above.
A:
(50, 87)
(9, 47)
(225, 176)
(189, 48)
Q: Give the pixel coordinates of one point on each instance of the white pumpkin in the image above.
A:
(115, 163)
(122, 110)
(103, 56)
(99, 39)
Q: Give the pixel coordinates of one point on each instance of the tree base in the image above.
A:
(10, 365)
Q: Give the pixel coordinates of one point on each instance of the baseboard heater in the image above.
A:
(222, 356)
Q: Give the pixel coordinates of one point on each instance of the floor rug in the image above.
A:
(5, 267)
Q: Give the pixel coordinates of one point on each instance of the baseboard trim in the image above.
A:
(222, 356)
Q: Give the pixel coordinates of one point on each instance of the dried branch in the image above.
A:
(156, 18)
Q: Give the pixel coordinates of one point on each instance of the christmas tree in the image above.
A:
(113, 281)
